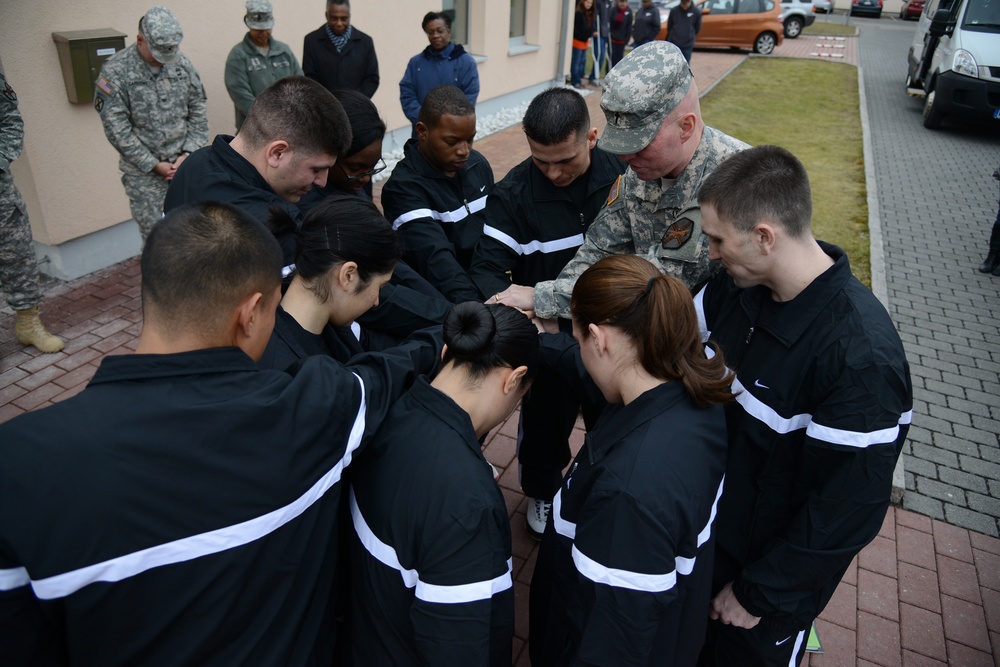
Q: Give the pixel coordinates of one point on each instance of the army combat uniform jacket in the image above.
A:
(18, 267)
(533, 228)
(823, 405)
(249, 72)
(657, 220)
(150, 114)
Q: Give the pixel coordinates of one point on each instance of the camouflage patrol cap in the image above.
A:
(163, 34)
(260, 15)
(639, 93)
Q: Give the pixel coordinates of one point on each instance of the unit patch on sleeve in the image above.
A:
(678, 234)
(9, 93)
(615, 190)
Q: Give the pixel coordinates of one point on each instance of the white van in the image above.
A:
(954, 61)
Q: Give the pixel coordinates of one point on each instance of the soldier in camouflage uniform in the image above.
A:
(654, 124)
(18, 267)
(152, 105)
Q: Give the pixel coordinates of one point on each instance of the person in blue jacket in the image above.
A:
(442, 62)
(624, 572)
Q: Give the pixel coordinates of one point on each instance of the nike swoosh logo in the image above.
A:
(782, 641)
(757, 383)
(482, 188)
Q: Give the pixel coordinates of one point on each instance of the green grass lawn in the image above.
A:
(825, 28)
(811, 108)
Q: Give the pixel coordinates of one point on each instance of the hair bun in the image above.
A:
(469, 330)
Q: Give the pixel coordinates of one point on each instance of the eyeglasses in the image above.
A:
(379, 167)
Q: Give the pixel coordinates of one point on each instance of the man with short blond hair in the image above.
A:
(823, 405)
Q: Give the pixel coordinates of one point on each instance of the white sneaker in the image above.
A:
(538, 514)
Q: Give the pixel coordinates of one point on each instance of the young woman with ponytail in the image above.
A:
(624, 571)
(431, 577)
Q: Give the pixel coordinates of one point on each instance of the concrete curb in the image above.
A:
(702, 93)
(876, 248)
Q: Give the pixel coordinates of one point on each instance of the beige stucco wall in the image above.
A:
(69, 173)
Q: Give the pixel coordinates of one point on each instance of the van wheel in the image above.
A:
(932, 112)
(793, 27)
(765, 43)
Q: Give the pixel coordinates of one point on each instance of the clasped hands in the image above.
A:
(523, 298)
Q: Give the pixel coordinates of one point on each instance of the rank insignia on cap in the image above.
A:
(9, 93)
(678, 234)
(615, 190)
(104, 85)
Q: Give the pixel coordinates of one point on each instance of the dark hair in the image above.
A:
(367, 126)
(303, 113)
(761, 183)
(341, 228)
(555, 115)
(338, 2)
(657, 315)
(482, 337)
(441, 101)
(588, 12)
(201, 260)
(434, 16)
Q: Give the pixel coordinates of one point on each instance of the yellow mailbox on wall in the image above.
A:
(81, 54)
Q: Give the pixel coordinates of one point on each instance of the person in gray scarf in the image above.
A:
(338, 55)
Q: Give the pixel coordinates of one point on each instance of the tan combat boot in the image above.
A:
(30, 331)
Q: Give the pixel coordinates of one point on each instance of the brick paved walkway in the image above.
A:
(924, 592)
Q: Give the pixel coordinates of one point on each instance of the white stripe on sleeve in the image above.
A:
(634, 581)
(204, 544)
(12, 578)
(459, 214)
(454, 594)
(835, 436)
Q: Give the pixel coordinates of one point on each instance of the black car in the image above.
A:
(866, 8)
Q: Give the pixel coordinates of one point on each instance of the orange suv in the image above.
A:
(744, 24)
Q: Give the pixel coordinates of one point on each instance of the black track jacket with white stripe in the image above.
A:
(533, 228)
(823, 409)
(432, 558)
(624, 571)
(440, 218)
(182, 509)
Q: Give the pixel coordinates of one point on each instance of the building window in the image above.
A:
(459, 12)
(518, 12)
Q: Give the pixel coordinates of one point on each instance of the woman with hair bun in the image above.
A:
(432, 558)
(624, 572)
(345, 251)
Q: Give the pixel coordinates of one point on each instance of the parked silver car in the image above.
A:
(796, 15)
